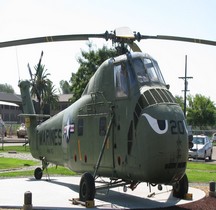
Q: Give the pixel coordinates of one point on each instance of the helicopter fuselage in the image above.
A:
(126, 107)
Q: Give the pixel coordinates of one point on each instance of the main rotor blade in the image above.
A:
(122, 35)
(183, 39)
(58, 38)
(134, 47)
(39, 63)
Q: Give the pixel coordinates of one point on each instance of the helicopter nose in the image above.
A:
(162, 136)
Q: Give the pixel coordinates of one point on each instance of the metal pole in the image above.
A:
(185, 78)
(185, 86)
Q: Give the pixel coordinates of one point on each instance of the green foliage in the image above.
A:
(89, 62)
(50, 99)
(6, 88)
(200, 111)
(180, 101)
(65, 87)
(43, 88)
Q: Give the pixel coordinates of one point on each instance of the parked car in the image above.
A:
(214, 137)
(21, 131)
(202, 147)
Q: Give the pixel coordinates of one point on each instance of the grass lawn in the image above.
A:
(9, 163)
(13, 163)
(201, 172)
(24, 149)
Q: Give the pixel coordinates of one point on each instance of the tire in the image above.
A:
(87, 187)
(181, 188)
(38, 173)
(204, 156)
(210, 156)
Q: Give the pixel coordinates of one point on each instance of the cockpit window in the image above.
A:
(147, 71)
(150, 70)
(141, 72)
(157, 70)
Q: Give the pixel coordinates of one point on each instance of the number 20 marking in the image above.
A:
(177, 127)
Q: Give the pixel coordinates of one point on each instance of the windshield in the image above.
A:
(148, 71)
(198, 140)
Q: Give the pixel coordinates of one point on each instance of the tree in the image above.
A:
(89, 62)
(6, 88)
(201, 111)
(65, 87)
(180, 101)
(42, 87)
(50, 98)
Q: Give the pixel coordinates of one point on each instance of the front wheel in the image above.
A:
(180, 188)
(87, 187)
(38, 173)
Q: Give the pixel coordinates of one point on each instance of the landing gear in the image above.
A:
(87, 187)
(180, 188)
(38, 173)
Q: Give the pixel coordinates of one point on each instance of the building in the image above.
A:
(11, 106)
(62, 104)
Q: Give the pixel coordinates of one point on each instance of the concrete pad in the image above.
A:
(57, 193)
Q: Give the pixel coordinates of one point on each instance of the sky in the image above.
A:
(186, 18)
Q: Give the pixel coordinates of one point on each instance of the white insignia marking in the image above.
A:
(154, 124)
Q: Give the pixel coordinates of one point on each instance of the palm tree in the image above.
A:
(50, 98)
(42, 87)
(39, 84)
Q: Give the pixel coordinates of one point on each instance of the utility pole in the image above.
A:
(185, 78)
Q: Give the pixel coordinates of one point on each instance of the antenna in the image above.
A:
(185, 78)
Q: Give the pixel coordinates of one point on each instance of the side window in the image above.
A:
(80, 127)
(121, 80)
(102, 126)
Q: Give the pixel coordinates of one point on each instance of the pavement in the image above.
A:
(57, 193)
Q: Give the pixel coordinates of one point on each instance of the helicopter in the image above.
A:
(126, 126)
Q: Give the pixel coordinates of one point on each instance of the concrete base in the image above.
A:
(59, 191)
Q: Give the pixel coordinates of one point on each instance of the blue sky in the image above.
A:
(189, 18)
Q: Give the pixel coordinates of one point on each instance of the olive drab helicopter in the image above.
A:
(126, 125)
